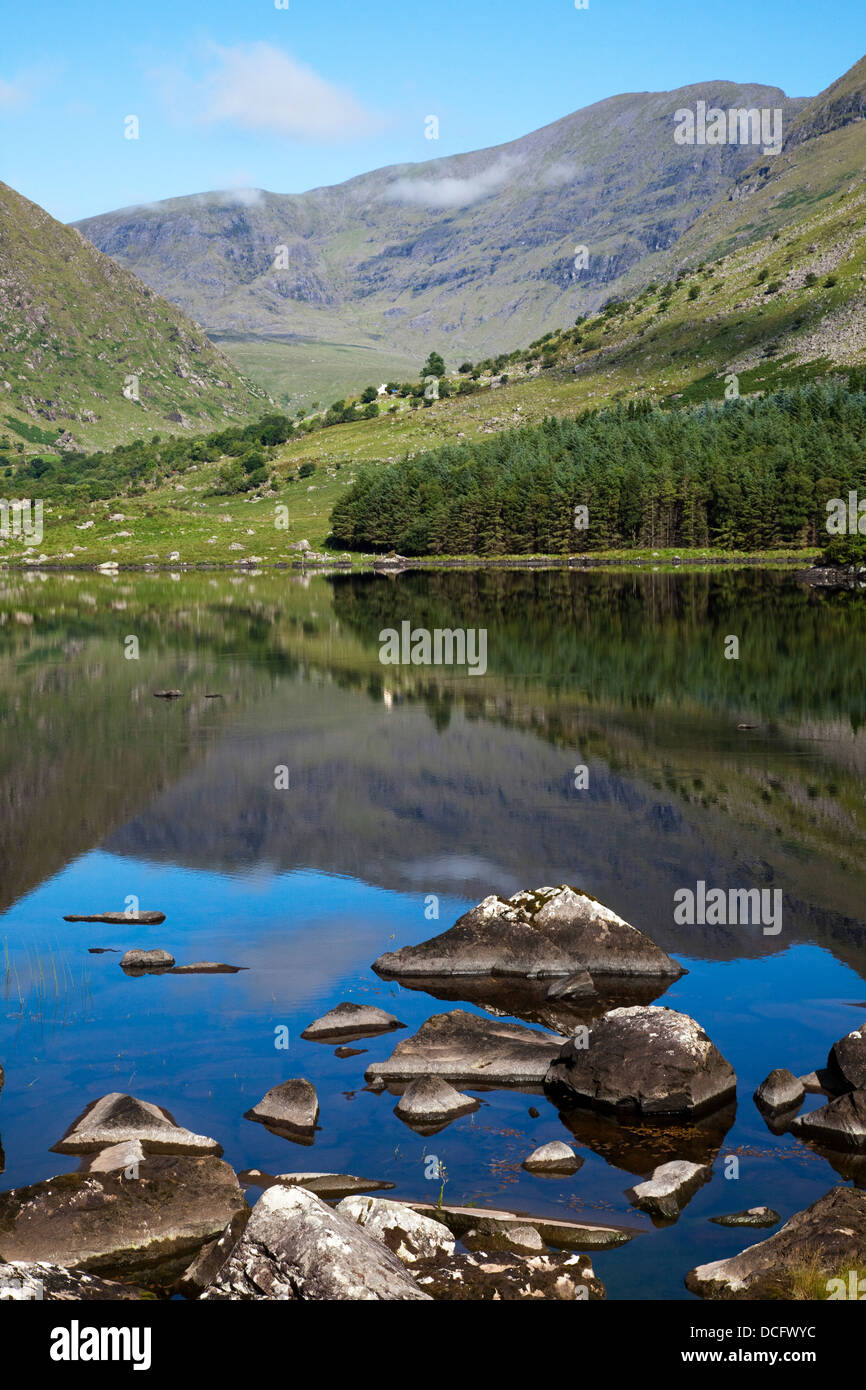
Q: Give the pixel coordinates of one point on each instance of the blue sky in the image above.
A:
(240, 94)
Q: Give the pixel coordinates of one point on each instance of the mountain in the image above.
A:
(76, 328)
(473, 253)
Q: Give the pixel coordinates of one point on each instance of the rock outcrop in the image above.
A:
(467, 1048)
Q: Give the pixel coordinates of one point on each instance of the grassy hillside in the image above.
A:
(75, 326)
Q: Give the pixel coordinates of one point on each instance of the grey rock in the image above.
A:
(116, 1158)
(781, 1090)
(846, 1062)
(211, 1258)
(829, 1236)
(208, 967)
(521, 1238)
(146, 1228)
(841, 1124)
(116, 1117)
(406, 1233)
(555, 1157)
(578, 986)
(471, 1049)
(430, 1102)
(755, 1216)
(509, 1276)
(643, 1059)
(138, 962)
(489, 1223)
(292, 1108)
(28, 1281)
(119, 919)
(549, 931)
(669, 1189)
(349, 1021)
(295, 1247)
(329, 1186)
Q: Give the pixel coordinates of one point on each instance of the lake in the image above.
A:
(412, 790)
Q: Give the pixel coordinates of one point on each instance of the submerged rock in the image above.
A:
(119, 919)
(291, 1108)
(781, 1090)
(509, 1276)
(644, 1059)
(638, 1144)
(406, 1233)
(27, 1281)
(471, 1049)
(756, 1216)
(550, 931)
(579, 986)
(295, 1247)
(116, 1117)
(328, 1186)
(137, 962)
(825, 1238)
(430, 1103)
(348, 1021)
(669, 1189)
(208, 967)
(144, 1228)
(555, 1157)
(841, 1124)
(489, 1223)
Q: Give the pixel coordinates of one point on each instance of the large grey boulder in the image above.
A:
(644, 1059)
(291, 1108)
(348, 1021)
(29, 1282)
(507, 1276)
(825, 1238)
(671, 1186)
(407, 1233)
(780, 1091)
(841, 1124)
(549, 931)
(145, 1228)
(116, 1118)
(297, 1248)
(846, 1062)
(429, 1103)
(465, 1047)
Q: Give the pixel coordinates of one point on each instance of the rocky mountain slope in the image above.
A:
(476, 252)
(87, 350)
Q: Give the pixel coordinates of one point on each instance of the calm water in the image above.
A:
(406, 782)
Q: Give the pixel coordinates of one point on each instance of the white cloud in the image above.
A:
(259, 87)
(450, 192)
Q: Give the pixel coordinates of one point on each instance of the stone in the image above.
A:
(350, 1051)
(841, 1124)
(137, 962)
(211, 1258)
(208, 967)
(578, 986)
(329, 1186)
(489, 1223)
(300, 545)
(755, 1216)
(522, 1239)
(550, 931)
(430, 1101)
(781, 1090)
(473, 1050)
(27, 1281)
(555, 1158)
(480, 1277)
(347, 1022)
(825, 1238)
(669, 1189)
(846, 1062)
(119, 919)
(295, 1247)
(292, 1108)
(406, 1233)
(146, 1228)
(644, 1059)
(116, 1158)
(115, 1118)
